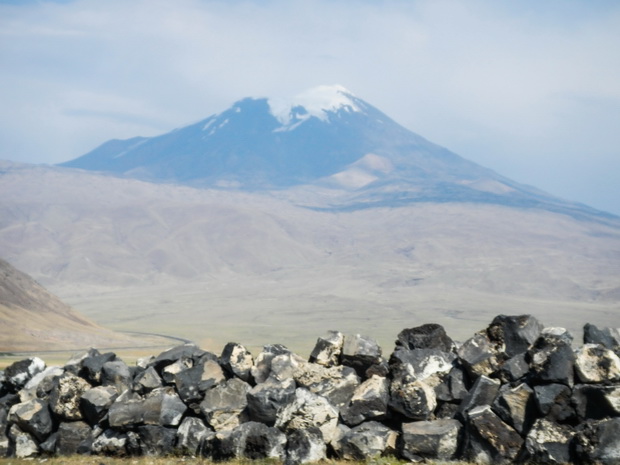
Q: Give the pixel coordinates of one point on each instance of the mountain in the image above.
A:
(277, 219)
(325, 137)
(32, 319)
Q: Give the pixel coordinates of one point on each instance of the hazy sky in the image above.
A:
(530, 89)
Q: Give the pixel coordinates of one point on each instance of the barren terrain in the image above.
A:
(215, 266)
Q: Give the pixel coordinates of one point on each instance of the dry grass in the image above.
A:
(172, 460)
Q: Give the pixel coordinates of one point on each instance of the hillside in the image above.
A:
(32, 319)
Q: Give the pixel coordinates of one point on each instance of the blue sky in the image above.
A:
(530, 89)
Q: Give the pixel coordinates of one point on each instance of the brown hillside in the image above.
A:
(32, 319)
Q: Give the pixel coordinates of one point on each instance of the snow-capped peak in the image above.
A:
(316, 102)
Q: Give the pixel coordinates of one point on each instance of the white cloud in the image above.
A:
(528, 88)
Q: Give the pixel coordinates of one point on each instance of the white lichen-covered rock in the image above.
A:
(24, 444)
(262, 364)
(337, 383)
(237, 361)
(66, 395)
(19, 373)
(413, 399)
(548, 442)
(307, 410)
(328, 348)
(597, 364)
(369, 401)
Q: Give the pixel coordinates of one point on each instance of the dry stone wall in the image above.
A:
(514, 392)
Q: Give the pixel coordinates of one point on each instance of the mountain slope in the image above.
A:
(326, 138)
(31, 319)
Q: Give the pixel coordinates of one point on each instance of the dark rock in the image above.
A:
(516, 406)
(19, 373)
(554, 402)
(92, 365)
(369, 402)
(237, 361)
(360, 353)
(367, 440)
(170, 372)
(224, 404)
(262, 365)
(309, 410)
(328, 349)
(435, 439)
(74, 438)
(161, 407)
(552, 358)
(479, 356)
(514, 333)
(381, 369)
(191, 434)
(194, 382)
(96, 402)
(490, 440)
(126, 411)
(428, 336)
(4, 439)
(23, 444)
(41, 384)
(305, 446)
(548, 443)
(111, 443)
(65, 396)
(607, 337)
(457, 385)
(599, 442)
(147, 380)
(7, 401)
(514, 369)
(32, 417)
(266, 399)
(168, 357)
(596, 364)
(49, 445)
(156, 440)
(253, 440)
(117, 374)
(594, 401)
(447, 411)
(483, 392)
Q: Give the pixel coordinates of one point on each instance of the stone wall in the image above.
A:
(515, 392)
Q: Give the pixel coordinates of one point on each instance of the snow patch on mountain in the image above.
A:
(317, 102)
